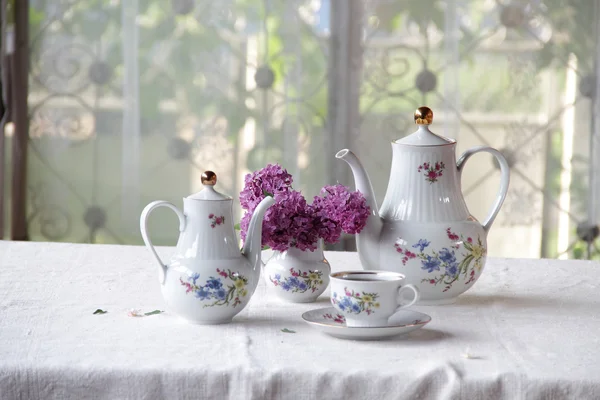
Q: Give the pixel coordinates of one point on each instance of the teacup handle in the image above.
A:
(403, 289)
(144, 219)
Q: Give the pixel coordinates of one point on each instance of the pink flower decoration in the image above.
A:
(432, 171)
(452, 235)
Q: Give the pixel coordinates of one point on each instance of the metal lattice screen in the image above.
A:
(129, 101)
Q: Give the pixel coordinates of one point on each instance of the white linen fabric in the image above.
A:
(530, 327)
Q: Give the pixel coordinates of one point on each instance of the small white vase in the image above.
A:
(297, 276)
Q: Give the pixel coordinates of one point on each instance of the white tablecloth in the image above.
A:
(531, 327)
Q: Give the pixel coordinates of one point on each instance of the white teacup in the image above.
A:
(369, 298)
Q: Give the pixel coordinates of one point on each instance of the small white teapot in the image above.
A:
(208, 280)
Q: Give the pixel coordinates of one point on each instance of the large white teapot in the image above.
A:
(208, 279)
(423, 228)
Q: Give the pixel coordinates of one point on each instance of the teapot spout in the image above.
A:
(253, 243)
(367, 241)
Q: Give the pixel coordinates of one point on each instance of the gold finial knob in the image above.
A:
(209, 178)
(423, 116)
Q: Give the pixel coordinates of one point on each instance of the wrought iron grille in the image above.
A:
(130, 101)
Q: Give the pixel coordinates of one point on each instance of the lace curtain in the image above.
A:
(130, 101)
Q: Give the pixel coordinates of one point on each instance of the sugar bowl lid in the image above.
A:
(423, 136)
(209, 179)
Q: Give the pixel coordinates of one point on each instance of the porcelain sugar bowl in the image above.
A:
(298, 276)
(208, 280)
(423, 228)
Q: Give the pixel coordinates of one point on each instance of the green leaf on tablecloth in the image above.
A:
(286, 330)
(100, 311)
(153, 312)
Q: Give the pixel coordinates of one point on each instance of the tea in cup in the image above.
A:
(370, 298)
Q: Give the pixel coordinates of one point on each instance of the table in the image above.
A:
(531, 328)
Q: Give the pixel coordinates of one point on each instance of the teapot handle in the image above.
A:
(504, 179)
(144, 218)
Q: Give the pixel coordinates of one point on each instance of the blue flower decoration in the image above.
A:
(346, 302)
(277, 277)
(431, 264)
(452, 269)
(214, 283)
(294, 281)
(221, 293)
(421, 244)
(355, 308)
(195, 277)
(203, 293)
(286, 286)
(447, 256)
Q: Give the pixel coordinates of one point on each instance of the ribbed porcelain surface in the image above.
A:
(412, 197)
(209, 240)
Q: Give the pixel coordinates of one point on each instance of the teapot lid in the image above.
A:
(423, 136)
(209, 179)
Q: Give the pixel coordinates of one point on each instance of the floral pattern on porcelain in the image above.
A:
(227, 289)
(356, 302)
(338, 318)
(432, 171)
(407, 254)
(215, 221)
(299, 282)
(445, 263)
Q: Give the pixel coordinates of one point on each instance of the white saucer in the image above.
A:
(328, 320)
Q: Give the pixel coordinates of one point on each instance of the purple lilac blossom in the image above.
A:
(291, 222)
(287, 223)
(268, 181)
(327, 229)
(347, 209)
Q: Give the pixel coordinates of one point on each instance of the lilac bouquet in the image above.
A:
(291, 221)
